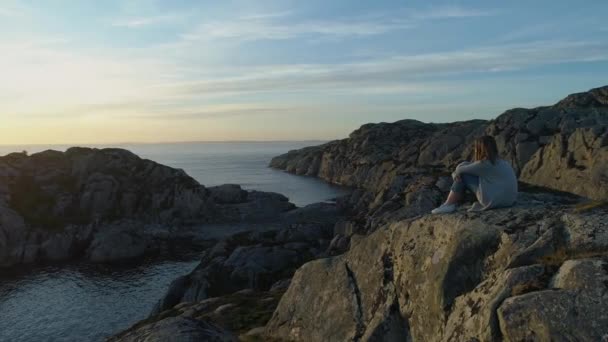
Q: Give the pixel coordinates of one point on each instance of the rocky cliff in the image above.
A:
(519, 274)
(535, 272)
(564, 146)
(108, 205)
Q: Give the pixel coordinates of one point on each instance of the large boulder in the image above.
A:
(259, 206)
(572, 309)
(460, 277)
(576, 163)
(228, 193)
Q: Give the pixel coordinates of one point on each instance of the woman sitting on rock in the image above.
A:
(490, 178)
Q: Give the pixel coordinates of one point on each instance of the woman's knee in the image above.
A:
(466, 162)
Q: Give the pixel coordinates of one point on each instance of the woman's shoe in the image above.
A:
(444, 209)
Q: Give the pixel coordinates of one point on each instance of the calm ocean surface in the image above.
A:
(81, 302)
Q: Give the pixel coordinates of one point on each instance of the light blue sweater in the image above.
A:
(497, 183)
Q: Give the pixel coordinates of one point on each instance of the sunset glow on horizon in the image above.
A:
(156, 71)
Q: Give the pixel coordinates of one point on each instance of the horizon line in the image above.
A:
(167, 142)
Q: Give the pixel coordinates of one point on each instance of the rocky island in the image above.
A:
(374, 266)
(109, 205)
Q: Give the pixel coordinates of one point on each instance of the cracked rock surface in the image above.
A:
(453, 278)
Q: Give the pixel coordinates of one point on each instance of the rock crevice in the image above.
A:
(352, 281)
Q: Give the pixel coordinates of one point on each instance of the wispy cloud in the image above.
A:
(51, 78)
(447, 12)
(268, 15)
(528, 32)
(274, 26)
(268, 28)
(140, 22)
(215, 111)
(402, 72)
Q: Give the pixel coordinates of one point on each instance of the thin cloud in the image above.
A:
(528, 32)
(251, 30)
(270, 15)
(140, 22)
(51, 77)
(397, 72)
(448, 12)
(273, 26)
(212, 112)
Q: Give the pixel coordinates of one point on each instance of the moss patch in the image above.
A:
(249, 310)
(590, 205)
(521, 289)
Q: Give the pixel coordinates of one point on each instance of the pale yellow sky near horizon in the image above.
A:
(102, 130)
(128, 132)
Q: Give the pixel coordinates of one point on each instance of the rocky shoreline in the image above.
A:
(516, 274)
(374, 266)
(536, 271)
(562, 147)
(109, 205)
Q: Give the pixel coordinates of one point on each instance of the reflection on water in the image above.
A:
(80, 302)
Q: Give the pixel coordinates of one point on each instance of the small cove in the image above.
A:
(85, 302)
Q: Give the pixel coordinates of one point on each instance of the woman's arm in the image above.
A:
(478, 168)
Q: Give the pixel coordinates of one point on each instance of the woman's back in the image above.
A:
(497, 185)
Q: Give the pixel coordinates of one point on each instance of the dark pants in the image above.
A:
(467, 181)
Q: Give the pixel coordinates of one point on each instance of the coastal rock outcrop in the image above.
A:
(377, 157)
(241, 279)
(109, 204)
(563, 147)
(256, 259)
(387, 271)
(460, 277)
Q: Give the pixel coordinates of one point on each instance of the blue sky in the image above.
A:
(146, 71)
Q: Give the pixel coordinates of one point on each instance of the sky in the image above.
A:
(117, 71)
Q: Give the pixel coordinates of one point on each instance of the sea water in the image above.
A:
(85, 302)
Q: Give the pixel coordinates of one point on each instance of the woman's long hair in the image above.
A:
(485, 149)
